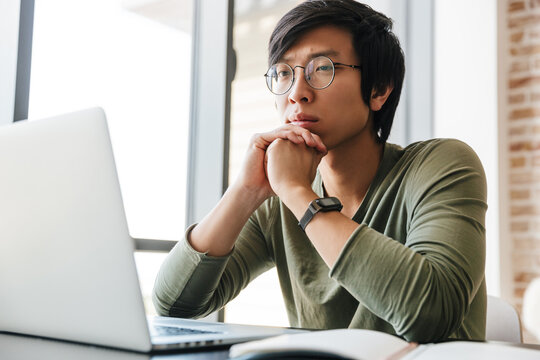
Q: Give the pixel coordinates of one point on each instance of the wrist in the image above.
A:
(298, 199)
(250, 198)
(319, 205)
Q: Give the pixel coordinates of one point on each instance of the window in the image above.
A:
(133, 58)
(252, 111)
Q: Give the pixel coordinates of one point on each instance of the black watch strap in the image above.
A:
(319, 205)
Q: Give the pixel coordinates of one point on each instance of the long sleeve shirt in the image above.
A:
(414, 267)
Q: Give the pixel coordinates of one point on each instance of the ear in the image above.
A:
(379, 98)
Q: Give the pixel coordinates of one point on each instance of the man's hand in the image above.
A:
(291, 166)
(253, 176)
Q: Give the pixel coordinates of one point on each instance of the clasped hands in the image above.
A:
(281, 161)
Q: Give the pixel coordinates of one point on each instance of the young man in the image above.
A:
(364, 234)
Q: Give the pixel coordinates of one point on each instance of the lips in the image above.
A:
(301, 118)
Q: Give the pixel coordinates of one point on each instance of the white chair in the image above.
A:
(502, 322)
(531, 308)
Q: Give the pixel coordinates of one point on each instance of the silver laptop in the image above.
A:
(67, 269)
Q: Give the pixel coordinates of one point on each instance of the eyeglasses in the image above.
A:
(319, 73)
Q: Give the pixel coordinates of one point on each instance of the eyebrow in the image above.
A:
(327, 53)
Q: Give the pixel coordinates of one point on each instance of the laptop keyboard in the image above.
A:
(161, 330)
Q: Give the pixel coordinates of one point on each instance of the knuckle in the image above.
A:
(284, 128)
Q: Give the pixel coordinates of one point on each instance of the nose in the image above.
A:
(300, 90)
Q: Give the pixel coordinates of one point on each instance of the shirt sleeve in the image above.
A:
(191, 284)
(424, 286)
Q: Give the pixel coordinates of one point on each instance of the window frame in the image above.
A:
(17, 19)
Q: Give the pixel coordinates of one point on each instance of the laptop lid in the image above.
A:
(67, 268)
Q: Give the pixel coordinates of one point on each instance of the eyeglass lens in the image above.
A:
(318, 72)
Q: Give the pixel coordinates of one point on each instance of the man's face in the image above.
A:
(337, 113)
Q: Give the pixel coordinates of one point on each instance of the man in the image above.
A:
(364, 234)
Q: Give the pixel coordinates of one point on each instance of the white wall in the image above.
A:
(465, 90)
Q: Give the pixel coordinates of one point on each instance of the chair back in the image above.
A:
(502, 323)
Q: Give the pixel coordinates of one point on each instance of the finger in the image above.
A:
(314, 141)
(319, 144)
(309, 139)
(260, 141)
(263, 140)
(293, 137)
(293, 133)
(299, 135)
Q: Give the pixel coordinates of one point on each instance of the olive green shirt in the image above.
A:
(414, 267)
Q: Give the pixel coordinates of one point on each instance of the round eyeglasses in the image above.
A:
(319, 73)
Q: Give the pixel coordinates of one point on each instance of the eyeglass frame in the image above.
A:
(293, 70)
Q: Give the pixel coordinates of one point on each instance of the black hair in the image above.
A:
(376, 46)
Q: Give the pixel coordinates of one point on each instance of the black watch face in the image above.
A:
(326, 202)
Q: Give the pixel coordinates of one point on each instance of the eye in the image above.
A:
(283, 74)
(324, 68)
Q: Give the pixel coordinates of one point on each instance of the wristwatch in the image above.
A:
(321, 204)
